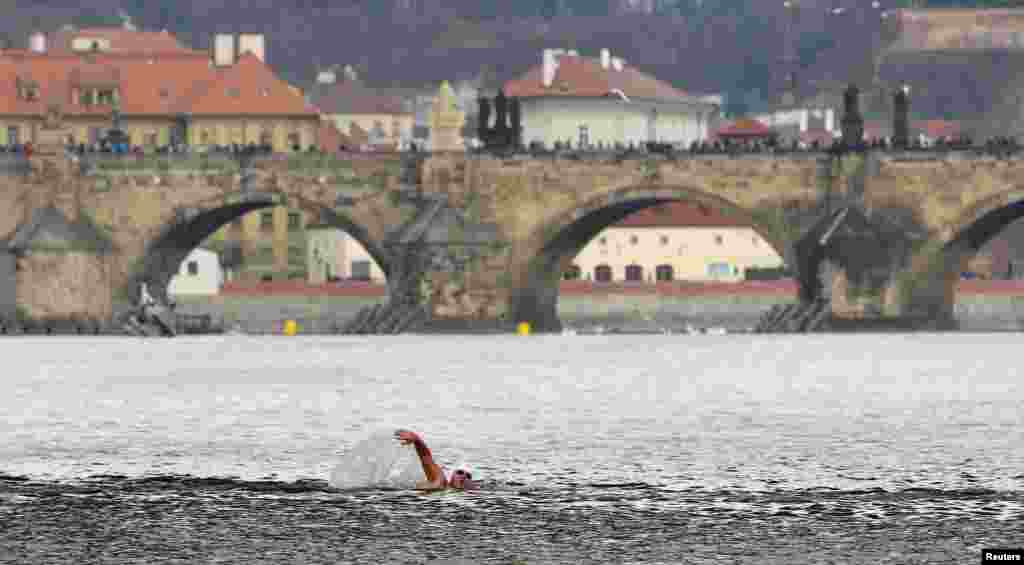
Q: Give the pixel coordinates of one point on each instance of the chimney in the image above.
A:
(350, 73)
(573, 53)
(327, 76)
(550, 66)
(606, 58)
(252, 43)
(37, 42)
(223, 50)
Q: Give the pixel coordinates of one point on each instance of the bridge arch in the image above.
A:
(551, 248)
(188, 227)
(937, 267)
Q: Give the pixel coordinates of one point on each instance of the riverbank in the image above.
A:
(583, 306)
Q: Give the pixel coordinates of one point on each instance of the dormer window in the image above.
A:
(28, 90)
(98, 96)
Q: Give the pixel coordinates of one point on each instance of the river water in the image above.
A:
(880, 448)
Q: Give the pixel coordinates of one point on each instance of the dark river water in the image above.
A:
(591, 449)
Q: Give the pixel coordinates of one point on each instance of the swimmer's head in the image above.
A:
(462, 478)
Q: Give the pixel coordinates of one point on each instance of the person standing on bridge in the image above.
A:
(436, 479)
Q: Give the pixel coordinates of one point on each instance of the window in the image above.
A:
(106, 96)
(664, 273)
(719, 270)
(633, 240)
(573, 273)
(13, 135)
(584, 140)
(266, 138)
(294, 221)
(718, 239)
(193, 268)
(361, 270)
(664, 240)
(150, 139)
(634, 273)
(164, 93)
(603, 273)
(266, 220)
(204, 137)
(95, 134)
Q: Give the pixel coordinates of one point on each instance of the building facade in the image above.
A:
(594, 102)
(200, 274)
(673, 242)
(165, 93)
(384, 119)
(333, 254)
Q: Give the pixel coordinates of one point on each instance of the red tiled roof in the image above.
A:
(249, 87)
(678, 214)
(875, 129)
(584, 77)
(936, 128)
(162, 84)
(353, 97)
(822, 136)
(744, 127)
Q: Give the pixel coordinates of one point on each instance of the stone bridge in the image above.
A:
(485, 239)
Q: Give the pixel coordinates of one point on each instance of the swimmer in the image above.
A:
(460, 479)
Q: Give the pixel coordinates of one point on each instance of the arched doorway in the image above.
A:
(573, 273)
(634, 273)
(664, 273)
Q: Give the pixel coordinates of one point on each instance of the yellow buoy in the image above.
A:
(290, 327)
(523, 328)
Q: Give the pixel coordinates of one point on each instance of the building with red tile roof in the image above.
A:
(588, 101)
(355, 108)
(674, 241)
(164, 91)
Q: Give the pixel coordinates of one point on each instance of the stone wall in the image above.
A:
(64, 285)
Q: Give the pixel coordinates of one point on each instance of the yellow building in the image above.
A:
(674, 241)
(590, 102)
(166, 93)
(359, 111)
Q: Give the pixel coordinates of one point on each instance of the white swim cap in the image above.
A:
(461, 467)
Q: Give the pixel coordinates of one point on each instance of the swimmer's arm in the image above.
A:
(435, 477)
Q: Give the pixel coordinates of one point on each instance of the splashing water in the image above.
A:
(378, 461)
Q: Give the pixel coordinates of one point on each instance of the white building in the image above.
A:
(673, 241)
(603, 101)
(333, 254)
(199, 274)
